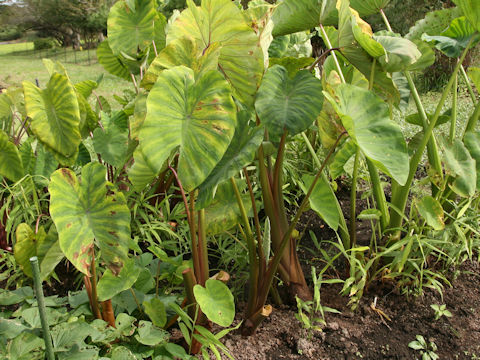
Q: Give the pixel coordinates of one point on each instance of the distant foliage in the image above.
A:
(10, 33)
(41, 44)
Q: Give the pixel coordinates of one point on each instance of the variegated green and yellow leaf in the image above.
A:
(196, 115)
(130, 30)
(55, 115)
(183, 51)
(88, 213)
(114, 64)
(221, 21)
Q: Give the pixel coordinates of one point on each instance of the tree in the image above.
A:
(67, 20)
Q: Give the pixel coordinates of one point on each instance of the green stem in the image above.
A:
(395, 218)
(253, 262)
(378, 194)
(432, 149)
(277, 175)
(453, 120)
(385, 20)
(335, 59)
(353, 200)
(96, 308)
(136, 300)
(41, 308)
(469, 85)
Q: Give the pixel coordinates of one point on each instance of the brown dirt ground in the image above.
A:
(364, 334)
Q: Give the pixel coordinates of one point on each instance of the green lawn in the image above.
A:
(9, 48)
(27, 65)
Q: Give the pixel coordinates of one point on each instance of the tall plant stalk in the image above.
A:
(261, 282)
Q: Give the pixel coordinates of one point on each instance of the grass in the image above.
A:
(18, 65)
(9, 48)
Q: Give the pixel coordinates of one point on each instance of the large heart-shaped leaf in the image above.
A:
(131, 29)
(471, 10)
(87, 213)
(323, 200)
(42, 245)
(221, 21)
(288, 104)
(291, 16)
(239, 154)
(55, 115)
(366, 117)
(114, 64)
(460, 164)
(216, 302)
(183, 51)
(110, 284)
(472, 142)
(11, 165)
(194, 114)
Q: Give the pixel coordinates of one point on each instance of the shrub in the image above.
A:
(8, 34)
(40, 44)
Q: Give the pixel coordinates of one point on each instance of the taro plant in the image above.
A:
(200, 146)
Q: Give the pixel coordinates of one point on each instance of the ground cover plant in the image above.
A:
(150, 212)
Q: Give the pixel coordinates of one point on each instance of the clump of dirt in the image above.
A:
(366, 333)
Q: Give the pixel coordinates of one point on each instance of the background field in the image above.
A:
(19, 62)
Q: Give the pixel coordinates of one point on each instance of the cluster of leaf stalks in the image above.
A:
(132, 197)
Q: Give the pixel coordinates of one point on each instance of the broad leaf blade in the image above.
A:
(291, 16)
(323, 200)
(220, 21)
(55, 115)
(367, 119)
(84, 212)
(194, 114)
(216, 302)
(471, 10)
(239, 154)
(288, 104)
(131, 29)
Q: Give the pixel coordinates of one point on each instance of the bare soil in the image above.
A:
(365, 334)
